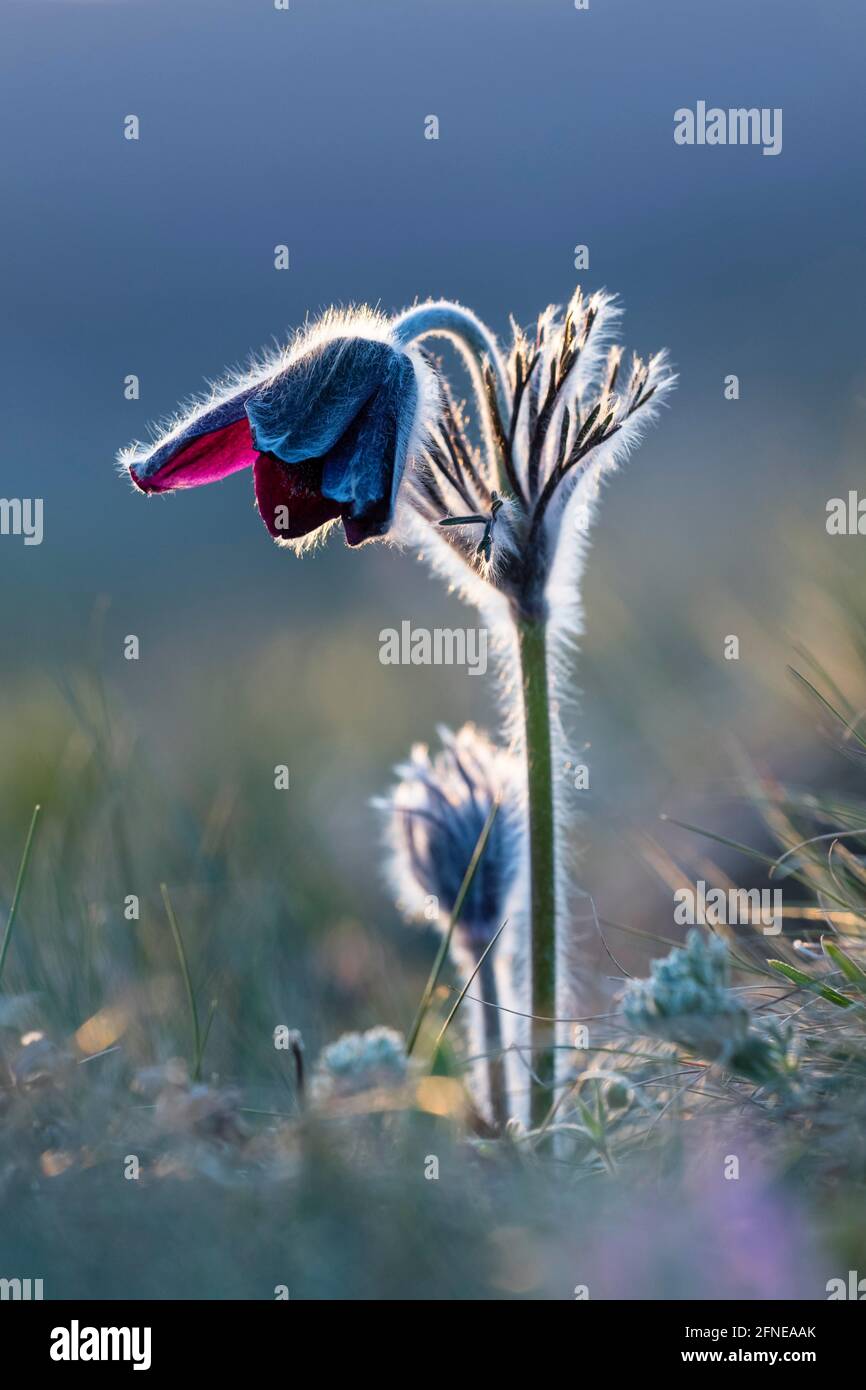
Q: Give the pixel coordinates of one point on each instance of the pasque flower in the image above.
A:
(355, 422)
(326, 427)
(507, 524)
(436, 814)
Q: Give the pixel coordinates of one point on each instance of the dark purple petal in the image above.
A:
(327, 435)
(290, 500)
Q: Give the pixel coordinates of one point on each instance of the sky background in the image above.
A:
(307, 128)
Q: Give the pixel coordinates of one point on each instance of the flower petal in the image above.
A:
(363, 470)
(289, 499)
(326, 431)
(306, 408)
(210, 447)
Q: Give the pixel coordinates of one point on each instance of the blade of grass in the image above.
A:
(800, 977)
(638, 931)
(822, 672)
(462, 995)
(719, 839)
(446, 940)
(745, 849)
(19, 885)
(190, 995)
(850, 969)
(827, 706)
(859, 832)
(214, 1005)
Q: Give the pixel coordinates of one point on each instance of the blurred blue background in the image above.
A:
(306, 127)
(155, 257)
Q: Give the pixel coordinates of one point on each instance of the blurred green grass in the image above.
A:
(162, 771)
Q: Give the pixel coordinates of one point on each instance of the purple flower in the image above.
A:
(327, 430)
(436, 814)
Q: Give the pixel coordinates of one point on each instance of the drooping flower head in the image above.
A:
(330, 425)
(326, 427)
(436, 813)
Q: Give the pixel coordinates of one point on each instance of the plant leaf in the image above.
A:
(799, 977)
(850, 969)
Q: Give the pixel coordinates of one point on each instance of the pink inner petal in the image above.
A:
(206, 459)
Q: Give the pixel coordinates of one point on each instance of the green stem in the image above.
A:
(532, 645)
(493, 1045)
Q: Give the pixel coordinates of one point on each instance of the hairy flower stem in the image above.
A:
(477, 346)
(496, 406)
(532, 646)
(493, 1044)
